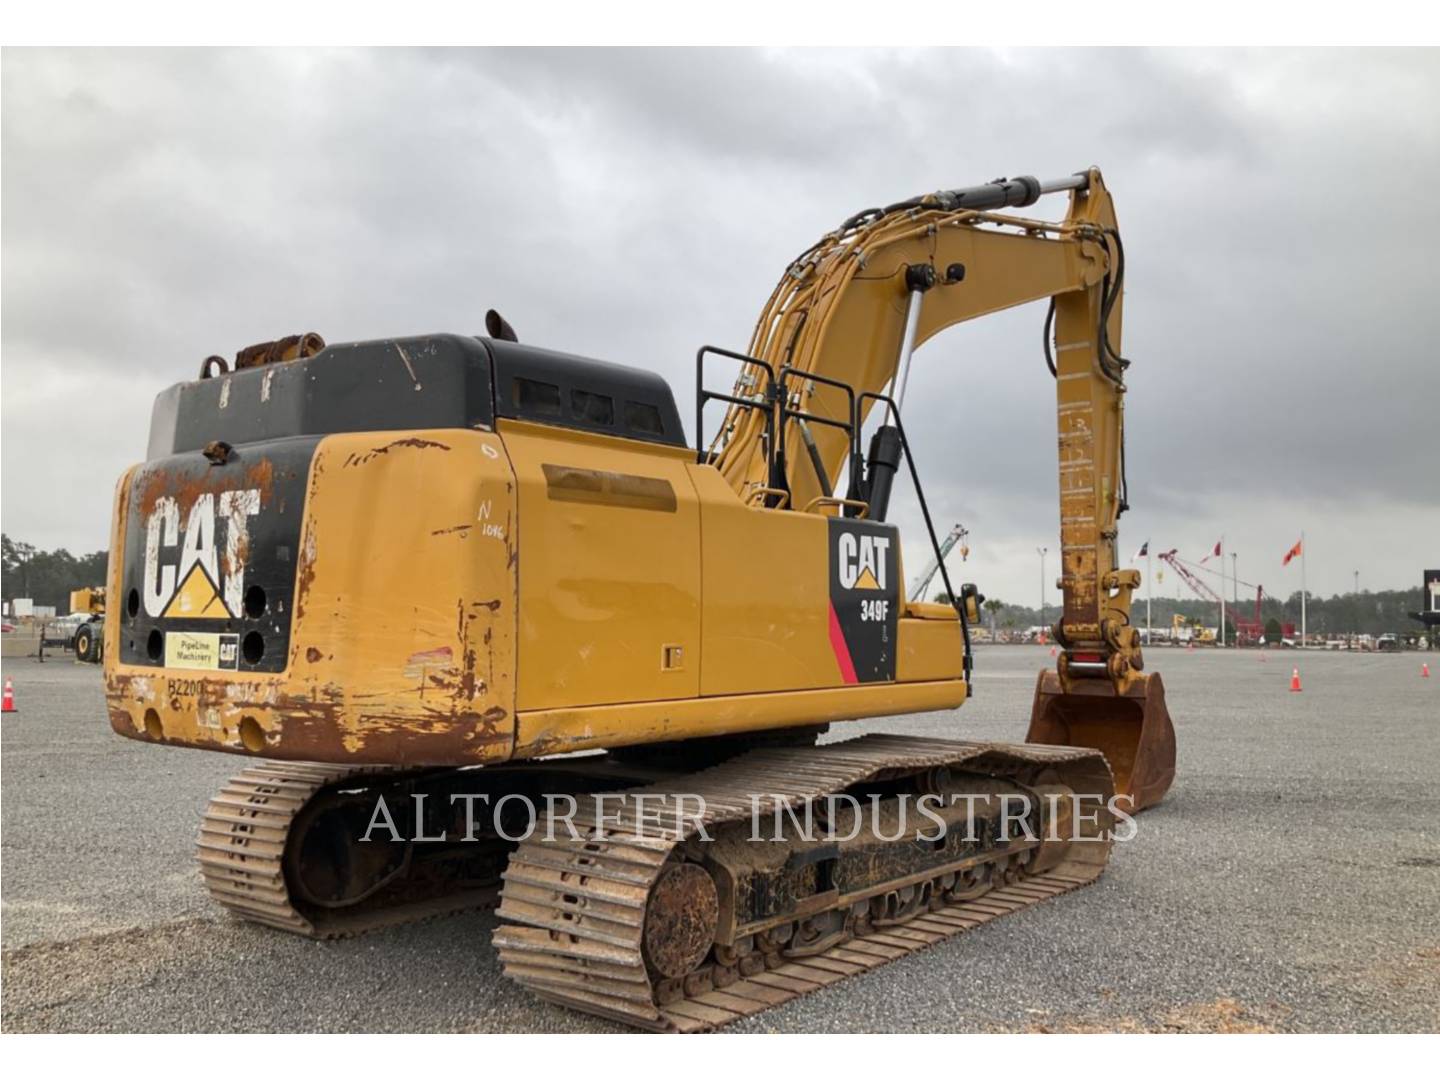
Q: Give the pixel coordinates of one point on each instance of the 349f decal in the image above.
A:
(864, 598)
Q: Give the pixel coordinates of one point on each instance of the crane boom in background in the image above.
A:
(1202, 590)
(958, 534)
(1249, 631)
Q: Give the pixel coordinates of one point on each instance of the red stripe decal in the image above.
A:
(842, 650)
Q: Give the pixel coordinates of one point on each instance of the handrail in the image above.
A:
(702, 396)
(766, 403)
(779, 493)
(830, 500)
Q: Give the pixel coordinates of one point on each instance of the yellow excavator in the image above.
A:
(429, 577)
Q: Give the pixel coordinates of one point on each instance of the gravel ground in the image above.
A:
(1290, 882)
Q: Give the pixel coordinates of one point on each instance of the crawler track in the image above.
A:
(592, 919)
(247, 832)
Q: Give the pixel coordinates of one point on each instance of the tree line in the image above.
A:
(47, 576)
(1384, 612)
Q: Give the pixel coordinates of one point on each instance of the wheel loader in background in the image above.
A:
(89, 638)
(379, 565)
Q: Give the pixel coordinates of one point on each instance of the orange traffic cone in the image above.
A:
(1424, 671)
(9, 703)
(1295, 681)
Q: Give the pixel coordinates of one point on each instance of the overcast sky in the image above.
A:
(1279, 223)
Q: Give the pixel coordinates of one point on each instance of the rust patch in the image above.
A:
(185, 488)
(312, 654)
(293, 347)
(242, 553)
(379, 451)
(451, 529)
(430, 667)
(305, 568)
(120, 721)
(321, 724)
(433, 736)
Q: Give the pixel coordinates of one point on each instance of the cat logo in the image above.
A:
(864, 599)
(191, 587)
(862, 560)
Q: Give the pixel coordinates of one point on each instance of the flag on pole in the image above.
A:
(1144, 550)
(1292, 553)
(1213, 553)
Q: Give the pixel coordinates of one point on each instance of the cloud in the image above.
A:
(631, 205)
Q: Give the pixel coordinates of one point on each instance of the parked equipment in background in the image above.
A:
(1429, 615)
(1191, 631)
(1197, 586)
(388, 561)
(88, 638)
(59, 630)
(1250, 631)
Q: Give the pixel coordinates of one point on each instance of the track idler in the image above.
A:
(1132, 729)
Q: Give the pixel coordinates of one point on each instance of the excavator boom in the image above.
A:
(844, 321)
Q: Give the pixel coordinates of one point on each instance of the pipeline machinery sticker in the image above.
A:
(864, 598)
(202, 652)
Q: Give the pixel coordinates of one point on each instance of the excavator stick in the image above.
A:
(1132, 729)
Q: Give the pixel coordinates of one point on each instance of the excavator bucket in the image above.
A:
(1132, 730)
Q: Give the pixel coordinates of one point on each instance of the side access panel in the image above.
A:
(766, 618)
(609, 569)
